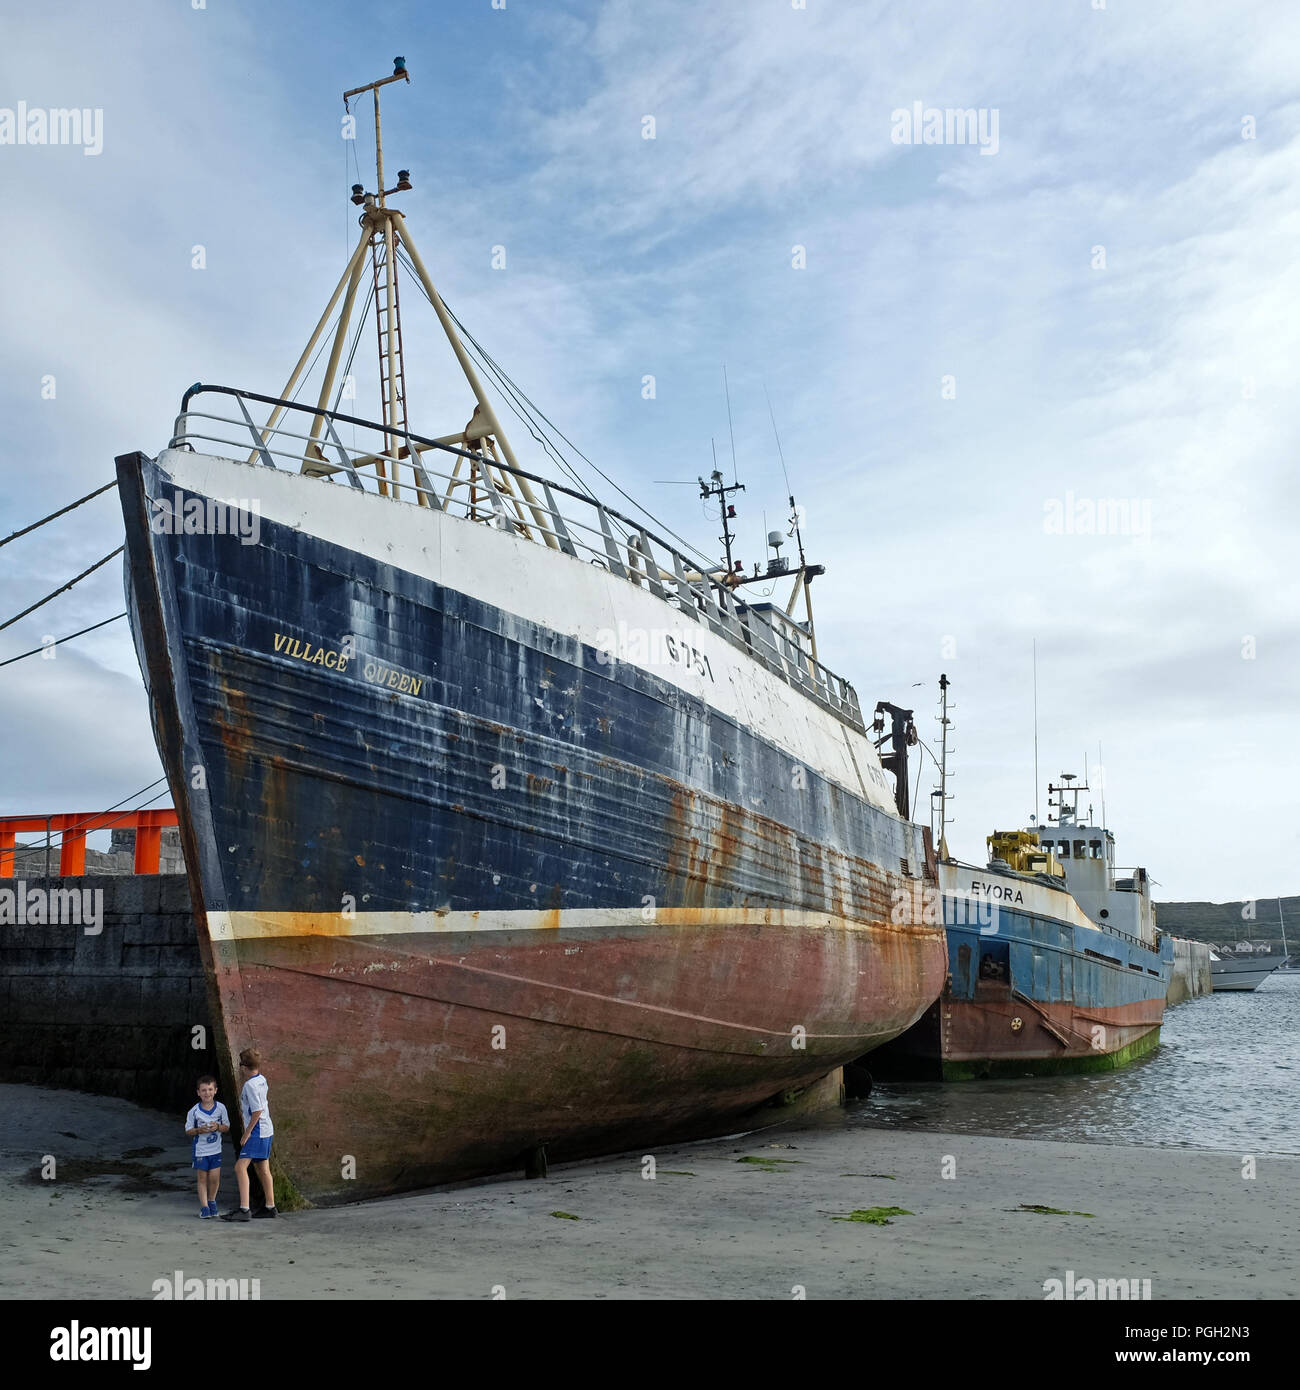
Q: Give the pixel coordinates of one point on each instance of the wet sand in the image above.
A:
(707, 1226)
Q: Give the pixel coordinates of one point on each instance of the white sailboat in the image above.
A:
(1289, 965)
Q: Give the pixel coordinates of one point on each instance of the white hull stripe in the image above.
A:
(244, 926)
(981, 887)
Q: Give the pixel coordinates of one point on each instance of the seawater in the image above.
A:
(1225, 1076)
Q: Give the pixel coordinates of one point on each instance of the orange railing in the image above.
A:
(72, 830)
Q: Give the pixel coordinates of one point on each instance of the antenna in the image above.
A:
(719, 488)
(942, 792)
(795, 530)
(780, 452)
(777, 565)
(735, 476)
(1035, 730)
(1066, 814)
(1101, 768)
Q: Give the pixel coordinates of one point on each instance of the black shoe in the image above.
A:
(263, 1211)
(239, 1214)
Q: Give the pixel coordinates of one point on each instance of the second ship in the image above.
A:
(1054, 960)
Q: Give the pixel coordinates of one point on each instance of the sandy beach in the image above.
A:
(121, 1213)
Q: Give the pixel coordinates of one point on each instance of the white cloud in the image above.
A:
(1118, 127)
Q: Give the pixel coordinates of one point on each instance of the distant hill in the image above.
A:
(1223, 922)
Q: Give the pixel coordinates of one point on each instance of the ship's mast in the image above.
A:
(387, 239)
(1035, 730)
(383, 265)
(1065, 815)
(717, 487)
(941, 792)
(777, 567)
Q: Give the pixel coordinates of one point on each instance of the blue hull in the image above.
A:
(467, 760)
(513, 892)
(1034, 995)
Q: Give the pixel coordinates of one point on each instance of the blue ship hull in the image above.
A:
(473, 886)
(1027, 993)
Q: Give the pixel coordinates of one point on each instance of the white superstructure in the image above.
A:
(1112, 897)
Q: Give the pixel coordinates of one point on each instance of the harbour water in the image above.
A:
(1225, 1076)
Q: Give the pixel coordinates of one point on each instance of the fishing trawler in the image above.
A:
(1054, 960)
(514, 832)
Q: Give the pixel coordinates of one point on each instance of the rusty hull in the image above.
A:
(643, 935)
(431, 1058)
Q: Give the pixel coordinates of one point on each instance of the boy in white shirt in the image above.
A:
(204, 1125)
(255, 1146)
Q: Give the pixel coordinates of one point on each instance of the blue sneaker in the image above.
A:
(212, 1208)
(204, 1214)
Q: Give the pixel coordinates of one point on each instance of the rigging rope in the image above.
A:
(325, 338)
(62, 510)
(10, 660)
(706, 562)
(352, 352)
(41, 602)
(82, 824)
(511, 400)
(522, 407)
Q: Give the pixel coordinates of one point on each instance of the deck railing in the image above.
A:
(480, 487)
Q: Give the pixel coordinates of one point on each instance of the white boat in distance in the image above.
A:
(1241, 973)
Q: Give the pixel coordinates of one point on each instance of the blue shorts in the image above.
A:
(206, 1165)
(257, 1147)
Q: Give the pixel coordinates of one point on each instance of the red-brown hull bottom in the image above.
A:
(1001, 1036)
(402, 1061)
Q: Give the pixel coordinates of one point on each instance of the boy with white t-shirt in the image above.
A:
(204, 1125)
(255, 1147)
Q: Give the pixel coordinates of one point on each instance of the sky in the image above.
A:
(971, 350)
